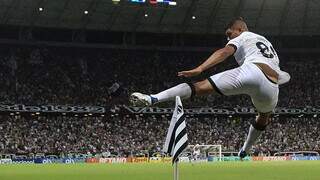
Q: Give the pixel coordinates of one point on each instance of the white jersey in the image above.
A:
(196, 152)
(251, 47)
(254, 48)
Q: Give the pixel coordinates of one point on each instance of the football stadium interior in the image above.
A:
(68, 68)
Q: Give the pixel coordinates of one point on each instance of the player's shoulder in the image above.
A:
(250, 34)
(256, 35)
(246, 35)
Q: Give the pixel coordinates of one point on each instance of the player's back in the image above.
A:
(255, 48)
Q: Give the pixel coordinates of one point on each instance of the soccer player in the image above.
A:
(258, 76)
(196, 153)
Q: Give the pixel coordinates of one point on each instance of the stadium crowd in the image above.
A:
(75, 76)
(37, 76)
(130, 135)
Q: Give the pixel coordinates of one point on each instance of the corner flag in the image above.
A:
(177, 139)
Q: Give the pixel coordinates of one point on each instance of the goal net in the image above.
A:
(204, 153)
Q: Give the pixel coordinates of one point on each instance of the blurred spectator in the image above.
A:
(36, 76)
(128, 135)
(42, 76)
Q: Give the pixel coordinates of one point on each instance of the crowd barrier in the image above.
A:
(228, 158)
(151, 159)
(286, 158)
(43, 161)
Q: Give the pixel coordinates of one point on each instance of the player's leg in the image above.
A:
(264, 96)
(184, 90)
(255, 130)
(224, 83)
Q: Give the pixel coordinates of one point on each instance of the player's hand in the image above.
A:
(190, 73)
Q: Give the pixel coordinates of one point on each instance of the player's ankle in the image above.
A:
(154, 100)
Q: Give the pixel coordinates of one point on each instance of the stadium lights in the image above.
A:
(86, 12)
(145, 15)
(172, 3)
(115, 1)
(193, 17)
(40, 9)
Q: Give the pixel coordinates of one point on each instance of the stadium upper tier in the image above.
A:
(187, 16)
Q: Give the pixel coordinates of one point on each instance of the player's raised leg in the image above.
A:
(255, 130)
(184, 90)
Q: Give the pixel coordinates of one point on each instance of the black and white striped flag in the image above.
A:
(177, 139)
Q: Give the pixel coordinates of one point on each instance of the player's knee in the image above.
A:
(193, 89)
(202, 88)
(258, 125)
(262, 121)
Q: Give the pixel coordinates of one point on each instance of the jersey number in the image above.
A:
(265, 50)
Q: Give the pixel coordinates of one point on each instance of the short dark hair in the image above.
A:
(233, 21)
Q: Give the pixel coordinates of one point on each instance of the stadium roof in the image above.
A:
(272, 17)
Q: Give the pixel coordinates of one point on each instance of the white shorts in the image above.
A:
(248, 79)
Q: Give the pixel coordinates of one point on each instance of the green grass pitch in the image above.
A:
(288, 170)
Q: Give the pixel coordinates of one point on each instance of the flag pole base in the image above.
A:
(175, 171)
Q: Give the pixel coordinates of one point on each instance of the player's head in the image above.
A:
(236, 27)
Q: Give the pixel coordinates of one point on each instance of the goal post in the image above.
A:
(204, 152)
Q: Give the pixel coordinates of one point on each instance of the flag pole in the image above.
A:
(176, 143)
(175, 171)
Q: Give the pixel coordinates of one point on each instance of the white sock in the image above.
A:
(183, 90)
(251, 138)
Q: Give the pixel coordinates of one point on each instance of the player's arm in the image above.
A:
(216, 58)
